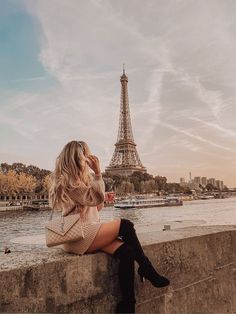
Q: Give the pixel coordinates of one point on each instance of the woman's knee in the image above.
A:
(110, 229)
(127, 222)
(126, 225)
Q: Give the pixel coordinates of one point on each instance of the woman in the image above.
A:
(75, 189)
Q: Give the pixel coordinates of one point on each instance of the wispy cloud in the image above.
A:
(188, 145)
(17, 125)
(216, 126)
(28, 79)
(212, 98)
(196, 137)
(13, 157)
(151, 108)
(181, 91)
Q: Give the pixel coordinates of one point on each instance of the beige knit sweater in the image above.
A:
(89, 197)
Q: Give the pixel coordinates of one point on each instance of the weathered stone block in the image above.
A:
(200, 263)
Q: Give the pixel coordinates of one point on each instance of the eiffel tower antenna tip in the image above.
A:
(123, 68)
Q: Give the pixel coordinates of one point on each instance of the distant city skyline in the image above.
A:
(203, 181)
(61, 63)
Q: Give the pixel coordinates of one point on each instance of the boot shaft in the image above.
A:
(126, 255)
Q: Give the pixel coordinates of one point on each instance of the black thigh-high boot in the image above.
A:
(145, 270)
(125, 253)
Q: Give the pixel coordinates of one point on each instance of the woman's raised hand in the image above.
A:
(94, 163)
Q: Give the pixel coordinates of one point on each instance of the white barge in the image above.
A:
(148, 202)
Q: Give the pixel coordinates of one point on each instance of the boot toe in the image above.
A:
(165, 281)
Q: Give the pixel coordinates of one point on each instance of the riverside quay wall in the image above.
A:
(200, 262)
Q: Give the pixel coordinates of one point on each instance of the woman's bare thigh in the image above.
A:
(112, 247)
(107, 233)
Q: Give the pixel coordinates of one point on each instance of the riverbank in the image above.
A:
(23, 207)
(200, 262)
(4, 206)
(19, 230)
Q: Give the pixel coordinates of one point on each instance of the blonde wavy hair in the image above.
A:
(70, 169)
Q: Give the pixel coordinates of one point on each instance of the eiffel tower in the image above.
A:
(125, 159)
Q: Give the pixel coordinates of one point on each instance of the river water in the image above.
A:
(24, 230)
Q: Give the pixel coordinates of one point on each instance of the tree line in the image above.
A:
(139, 182)
(19, 179)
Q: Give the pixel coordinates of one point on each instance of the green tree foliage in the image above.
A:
(137, 182)
(109, 183)
(210, 187)
(174, 188)
(161, 183)
(125, 187)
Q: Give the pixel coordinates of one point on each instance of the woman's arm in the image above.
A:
(91, 195)
(101, 206)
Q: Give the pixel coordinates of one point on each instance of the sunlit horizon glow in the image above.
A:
(61, 63)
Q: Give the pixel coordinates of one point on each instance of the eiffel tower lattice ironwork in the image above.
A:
(125, 159)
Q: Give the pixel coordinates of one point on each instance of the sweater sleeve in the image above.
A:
(91, 195)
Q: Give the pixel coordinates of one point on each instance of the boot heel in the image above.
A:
(141, 278)
(150, 273)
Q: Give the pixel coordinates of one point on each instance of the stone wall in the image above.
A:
(200, 262)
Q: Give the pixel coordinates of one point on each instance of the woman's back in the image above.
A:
(88, 198)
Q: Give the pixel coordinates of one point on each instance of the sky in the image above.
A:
(61, 63)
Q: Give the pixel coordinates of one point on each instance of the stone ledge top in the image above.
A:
(21, 259)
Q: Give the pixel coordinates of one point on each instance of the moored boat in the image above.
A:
(36, 205)
(206, 197)
(31, 207)
(148, 202)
